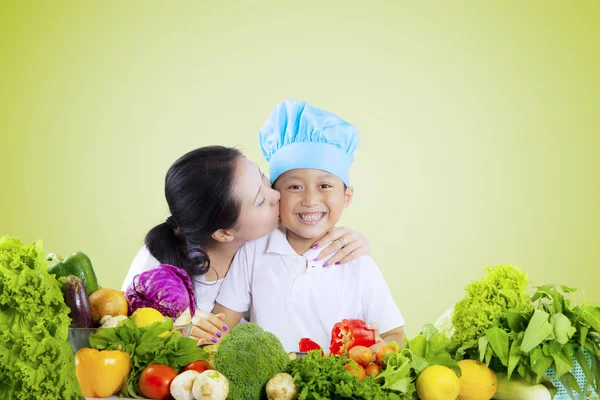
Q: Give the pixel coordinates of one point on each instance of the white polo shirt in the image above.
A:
(295, 297)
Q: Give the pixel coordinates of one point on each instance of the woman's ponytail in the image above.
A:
(199, 191)
(166, 245)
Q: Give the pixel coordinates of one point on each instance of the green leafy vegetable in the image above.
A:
(538, 330)
(488, 300)
(555, 335)
(36, 361)
(146, 347)
(321, 378)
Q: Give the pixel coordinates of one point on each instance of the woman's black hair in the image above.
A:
(199, 192)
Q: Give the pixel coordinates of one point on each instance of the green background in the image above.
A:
(479, 122)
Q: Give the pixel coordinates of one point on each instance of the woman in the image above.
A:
(219, 200)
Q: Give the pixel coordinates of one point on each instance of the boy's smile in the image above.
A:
(312, 218)
(311, 203)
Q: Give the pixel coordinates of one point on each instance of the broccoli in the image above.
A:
(249, 357)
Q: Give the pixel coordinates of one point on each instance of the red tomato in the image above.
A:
(361, 354)
(156, 380)
(199, 366)
(382, 351)
(356, 369)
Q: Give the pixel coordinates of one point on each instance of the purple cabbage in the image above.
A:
(165, 288)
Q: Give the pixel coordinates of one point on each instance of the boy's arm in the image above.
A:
(395, 335)
(379, 306)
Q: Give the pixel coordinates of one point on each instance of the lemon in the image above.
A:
(437, 382)
(477, 382)
(146, 316)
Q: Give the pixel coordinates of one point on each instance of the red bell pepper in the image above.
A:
(307, 345)
(349, 333)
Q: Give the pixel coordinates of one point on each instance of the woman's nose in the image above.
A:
(275, 196)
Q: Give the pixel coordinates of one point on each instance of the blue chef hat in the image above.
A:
(298, 135)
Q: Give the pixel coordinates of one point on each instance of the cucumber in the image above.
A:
(77, 300)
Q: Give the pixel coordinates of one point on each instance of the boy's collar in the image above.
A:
(278, 244)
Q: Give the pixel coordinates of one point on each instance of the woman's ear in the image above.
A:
(223, 235)
(348, 196)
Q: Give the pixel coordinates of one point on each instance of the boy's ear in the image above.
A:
(223, 235)
(348, 196)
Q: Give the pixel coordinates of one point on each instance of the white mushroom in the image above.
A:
(210, 385)
(181, 386)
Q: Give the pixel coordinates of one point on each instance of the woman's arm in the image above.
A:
(211, 327)
(230, 317)
(143, 261)
(351, 245)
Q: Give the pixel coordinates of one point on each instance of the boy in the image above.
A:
(275, 277)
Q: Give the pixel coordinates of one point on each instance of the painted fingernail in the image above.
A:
(316, 245)
(315, 259)
(225, 328)
(326, 264)
(218, 334)
(214, 340)
(337, 263)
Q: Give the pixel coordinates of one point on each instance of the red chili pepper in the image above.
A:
(307, 345)
(349, 333)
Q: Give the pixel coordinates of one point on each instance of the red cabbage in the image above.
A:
(165, 288)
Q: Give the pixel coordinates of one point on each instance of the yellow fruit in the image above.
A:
(146, 316)
(477, 382)
(437, 382)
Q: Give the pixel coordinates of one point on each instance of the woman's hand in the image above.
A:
(208, 328)
(351, 245)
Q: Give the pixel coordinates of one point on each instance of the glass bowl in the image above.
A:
(185, 330)
(80, 337)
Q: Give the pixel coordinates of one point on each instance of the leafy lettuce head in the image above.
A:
(487, 300)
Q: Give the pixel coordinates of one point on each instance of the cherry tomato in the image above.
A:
(156, 380)
(382, 351)
(199, 366)
(356, 369)
(372, 369)
(361, 354)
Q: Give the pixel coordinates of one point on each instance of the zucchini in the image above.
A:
(516, 388)
(77, 300)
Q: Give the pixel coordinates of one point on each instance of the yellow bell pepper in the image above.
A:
(101, 373)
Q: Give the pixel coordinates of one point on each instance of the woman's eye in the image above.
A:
(325, 186)
(262, 202)
(295, 187)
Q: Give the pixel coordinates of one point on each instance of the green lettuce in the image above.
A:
(36, 360)
(487, 301)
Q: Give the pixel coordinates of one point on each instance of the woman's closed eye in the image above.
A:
(262, 202)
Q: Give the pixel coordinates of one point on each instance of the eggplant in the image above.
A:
(76, 298)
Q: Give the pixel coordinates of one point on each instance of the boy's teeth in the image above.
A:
(311, 216)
